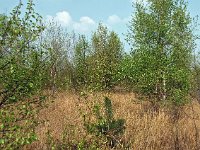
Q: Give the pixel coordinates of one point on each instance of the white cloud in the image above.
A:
(85, 24)
(115, 19)
(64, 18)
(87, 20)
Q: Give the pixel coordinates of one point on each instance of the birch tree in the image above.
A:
(107, 54)
(162, 41)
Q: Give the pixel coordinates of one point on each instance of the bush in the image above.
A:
(106, 125)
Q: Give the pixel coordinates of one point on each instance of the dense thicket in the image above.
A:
(21, 61)
(21, 75)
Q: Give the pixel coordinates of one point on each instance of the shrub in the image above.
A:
(106, 125)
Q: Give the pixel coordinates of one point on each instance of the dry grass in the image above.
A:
(145, 129)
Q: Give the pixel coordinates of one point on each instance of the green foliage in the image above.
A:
(126, 72)
(162, 41)
(17, 125)
(21, 75)
(20, 58)
(105, 124)
(107, 53)
(57, 44)
(81, 62)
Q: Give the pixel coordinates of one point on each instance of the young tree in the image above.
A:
(107, 54)
(20, 76)
(20, 57)
(81, 62)
(162, 43)
(57, 44)
(114, 57)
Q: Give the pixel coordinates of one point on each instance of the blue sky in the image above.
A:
(83, 16)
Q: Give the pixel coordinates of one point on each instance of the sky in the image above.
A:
(83, 16)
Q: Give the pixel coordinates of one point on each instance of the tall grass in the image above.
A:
(146, 128)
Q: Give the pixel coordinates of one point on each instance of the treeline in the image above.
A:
(78, 63)
(36, 57)
(162, 64)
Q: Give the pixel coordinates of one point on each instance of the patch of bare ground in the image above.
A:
(145, 129)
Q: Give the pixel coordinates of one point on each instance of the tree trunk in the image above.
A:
(164, 88)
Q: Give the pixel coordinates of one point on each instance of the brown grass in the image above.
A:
(145, 129)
